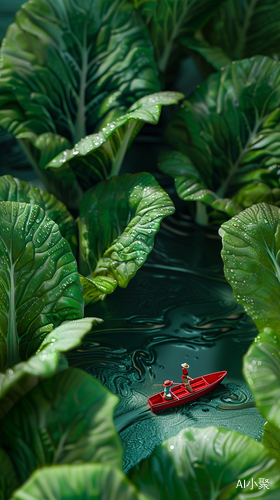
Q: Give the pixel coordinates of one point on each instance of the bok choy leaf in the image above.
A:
(117, 225)
(228, 139)
(39, 282)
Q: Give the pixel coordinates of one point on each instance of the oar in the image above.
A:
(174, 383)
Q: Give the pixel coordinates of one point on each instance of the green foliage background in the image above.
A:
(53, 414)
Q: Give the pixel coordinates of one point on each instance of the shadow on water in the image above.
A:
(178, 308)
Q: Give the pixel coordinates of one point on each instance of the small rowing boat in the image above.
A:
(181, 395)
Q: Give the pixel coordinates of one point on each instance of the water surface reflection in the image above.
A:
(177, 309)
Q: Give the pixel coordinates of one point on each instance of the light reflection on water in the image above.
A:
(177, 309)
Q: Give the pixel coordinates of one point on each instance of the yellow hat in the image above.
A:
(185, 365)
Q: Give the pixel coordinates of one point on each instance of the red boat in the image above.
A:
(181, 395)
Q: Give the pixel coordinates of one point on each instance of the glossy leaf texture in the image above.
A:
(251, 250)
(95, 289)
(8, 479)
(68, 65)
(169, 20)
(39, 281)
(99, 156)
(22, 377)
(78, 482)
(271, 440)
(76, 62)
(262, 372)
(117, 225)
(66, 419)
(243, 29)
(12, 189)
(206, 463)
(229, 132)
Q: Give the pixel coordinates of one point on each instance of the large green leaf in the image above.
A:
(117, 225)
(251, 255)
(66, 419)
(78, 482)
(39, 282)
(12, 189)
(271, 440)
(230, 134)
(262, 371)
(99, 156)
(207, 464)
(245, 28)
(8, 479)
(169, 20)
(188, 182)
(22, 377)
(66, 65)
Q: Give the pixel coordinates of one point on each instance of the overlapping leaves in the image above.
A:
(67, 419)
(241, 29)
(12, 189)
(22, 377)
(53, 430)
(271, 440)
(208, 462)
(40, 286)
(168, 21)
(66, 65)
(67, 68)
(72, 482)
(229, 135)
(117, 225)
(261, 369)
(99, 156)
(251, 250)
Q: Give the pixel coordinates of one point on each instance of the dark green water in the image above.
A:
(177, 309)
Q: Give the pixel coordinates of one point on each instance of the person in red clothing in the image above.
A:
(185, 377)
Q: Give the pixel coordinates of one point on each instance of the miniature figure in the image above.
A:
(185, 377)
(180, 394)
(166, 387)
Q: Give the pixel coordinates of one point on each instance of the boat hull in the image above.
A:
(181, 395)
